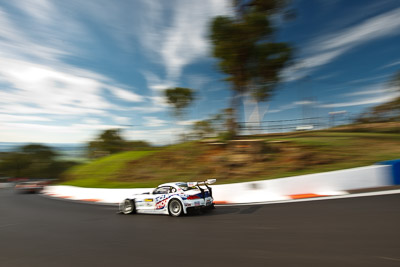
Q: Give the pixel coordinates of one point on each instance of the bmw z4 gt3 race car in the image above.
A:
(174, 199)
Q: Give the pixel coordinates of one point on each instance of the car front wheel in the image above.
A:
(128, 206)
(175, 208)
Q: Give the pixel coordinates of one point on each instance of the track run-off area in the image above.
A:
(40, 231)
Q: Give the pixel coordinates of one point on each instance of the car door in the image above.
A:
(145, 202)
(161, 195)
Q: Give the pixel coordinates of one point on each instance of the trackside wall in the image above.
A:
(320, 184)
(327, 183)
(395, 170)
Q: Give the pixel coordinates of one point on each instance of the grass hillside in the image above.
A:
(280, 155)
(102, 172)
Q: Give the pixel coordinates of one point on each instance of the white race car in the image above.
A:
(174, 199)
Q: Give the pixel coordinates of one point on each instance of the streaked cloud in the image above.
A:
(393, 64)
(184, 38)
(363, 101)
(122, 121)
(154, 122)
(125, 94)
(187, 122)
(323, 50)
(19, 118)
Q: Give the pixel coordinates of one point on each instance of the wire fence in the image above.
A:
(302, 124)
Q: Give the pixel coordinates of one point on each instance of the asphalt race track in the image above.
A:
(38, 231)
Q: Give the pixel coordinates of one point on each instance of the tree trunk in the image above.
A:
(233, 115)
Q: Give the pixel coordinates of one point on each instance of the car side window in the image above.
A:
(172, 190)
(161, 190)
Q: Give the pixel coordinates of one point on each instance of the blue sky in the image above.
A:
(69, 69)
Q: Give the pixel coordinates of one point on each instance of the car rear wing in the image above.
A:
(206, 183)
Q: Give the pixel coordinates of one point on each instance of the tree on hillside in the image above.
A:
(108, 142)
(33, 161)
(247, 52)
(391, 109)
(217, 125)
(180, 98)
(387, 111)
(138, 145)
(203, 128)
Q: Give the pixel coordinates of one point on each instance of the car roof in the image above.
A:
(170, 184)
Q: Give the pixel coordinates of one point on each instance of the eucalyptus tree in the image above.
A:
(179, 98)
(247, 52)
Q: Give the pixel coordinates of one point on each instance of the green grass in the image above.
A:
(100, 173)
(302, 153)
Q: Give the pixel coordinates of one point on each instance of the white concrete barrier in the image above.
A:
(327, 183)
(319, 184)
(6, 185)
(104, 195)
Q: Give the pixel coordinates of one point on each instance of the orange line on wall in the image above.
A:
(221, 202)
(91, 200)
(309, 195)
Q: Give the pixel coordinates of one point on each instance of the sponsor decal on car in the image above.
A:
(148, 200)
(162, 200)
(160, 205)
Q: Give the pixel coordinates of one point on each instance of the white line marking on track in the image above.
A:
(391, 259)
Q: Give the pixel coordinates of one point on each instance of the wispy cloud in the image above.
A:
(37, 84)
(374, 89)
(376, 94)
(374, 28)
(187, 122)
(125, 94)
(122, 120)
(185, 37)
(175, 41)
(43, 93)
(154, 122)
(18, 118)
(17, 131)
(49, 91)
(370, 79)
(156, 84)
(292, 105)
(362, 102)
(325, 49)
(395, 63)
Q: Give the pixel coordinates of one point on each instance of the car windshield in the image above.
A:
(185, 187)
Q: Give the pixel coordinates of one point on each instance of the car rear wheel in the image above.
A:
(128, 206)
(175, 208)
